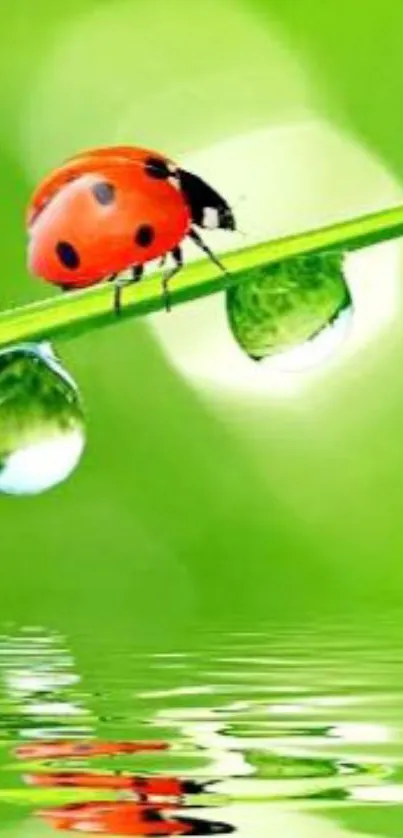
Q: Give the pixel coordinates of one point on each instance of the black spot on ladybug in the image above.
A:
(67, 255)
(103, 192)
(144, 235)
(157, 168)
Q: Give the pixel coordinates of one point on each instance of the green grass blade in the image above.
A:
(67, 315)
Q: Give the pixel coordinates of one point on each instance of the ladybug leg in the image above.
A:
(137, 273)
(123, 282)
(197, 239)
(167, 275)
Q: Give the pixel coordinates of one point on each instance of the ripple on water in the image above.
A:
(253, 723)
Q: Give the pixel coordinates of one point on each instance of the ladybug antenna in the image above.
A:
(235, 206)
(239, 200)
(241, 233)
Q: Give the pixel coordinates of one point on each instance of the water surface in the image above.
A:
(290, 730)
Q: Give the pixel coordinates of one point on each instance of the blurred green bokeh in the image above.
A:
(186, 517)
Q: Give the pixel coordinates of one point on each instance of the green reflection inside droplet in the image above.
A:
(41, 420)
(286, 304)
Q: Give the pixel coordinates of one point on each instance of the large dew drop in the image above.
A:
(42, 433)
(281, 306)
(280, 181)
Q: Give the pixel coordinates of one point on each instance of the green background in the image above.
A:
(175, 522)
(168, 521)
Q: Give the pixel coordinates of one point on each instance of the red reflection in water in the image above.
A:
(140, 785)
(143, 816)
(124, 818)
(65, 750)
(121, 818)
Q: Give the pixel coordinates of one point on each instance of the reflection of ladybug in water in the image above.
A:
(143, 786)
(112, 819)
(80, 748)
(127, 819)
(110, 209)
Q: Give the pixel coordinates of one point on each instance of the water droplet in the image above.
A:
(42, 432)
(291, 308)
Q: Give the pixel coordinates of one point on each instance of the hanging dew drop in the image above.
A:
(293, 311)
(42, 430)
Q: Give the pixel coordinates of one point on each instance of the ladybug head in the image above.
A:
(208, 209)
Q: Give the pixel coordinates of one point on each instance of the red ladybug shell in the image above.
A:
(88, 161)
(103, 212)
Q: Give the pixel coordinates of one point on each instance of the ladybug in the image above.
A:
(107, 210)
(126, 818)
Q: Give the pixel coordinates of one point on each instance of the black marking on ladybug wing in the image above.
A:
(157, 168)
(67, 255)
(144, 235)
(208, 208)
(104, 192)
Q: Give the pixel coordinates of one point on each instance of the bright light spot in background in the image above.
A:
(378, 794)
(281, 181)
